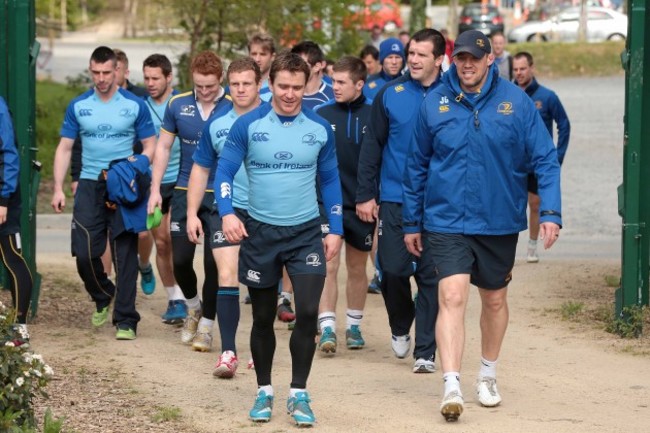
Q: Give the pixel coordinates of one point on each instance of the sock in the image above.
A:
(353, 317)
(171, 290)
(294, 391)
(532, 244)
(488, 369)
(206, 323)
(194, 303)
(228, 316)
(178, 293)
(143, 265)
(452, 381)
(268, 389)
(328, 318)
(284, 295)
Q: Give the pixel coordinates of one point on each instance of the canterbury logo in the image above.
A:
(225, 190)
(85, 112)
(480, 43)
(260, 136)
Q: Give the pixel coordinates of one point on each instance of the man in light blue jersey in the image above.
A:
(283, 147)
(317, 91)
(261, 48)
(185, 117)
(108, 120)
(157, 71)
(244, 78)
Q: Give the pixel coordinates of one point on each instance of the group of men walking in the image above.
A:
(273, 173)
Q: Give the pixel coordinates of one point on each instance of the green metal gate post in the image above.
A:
(18, 53)
(634, 194)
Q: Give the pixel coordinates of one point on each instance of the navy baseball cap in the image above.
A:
(473, 42)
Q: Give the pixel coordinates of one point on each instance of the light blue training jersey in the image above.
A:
(157, 115)
(281, 161)
(183, 119)
(107, 129)
(265, 91)
(210, 146)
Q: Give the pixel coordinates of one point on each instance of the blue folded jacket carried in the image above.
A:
(127, 185)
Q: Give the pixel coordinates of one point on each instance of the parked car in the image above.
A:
(482, 17)
(603, 24)
(383, 13)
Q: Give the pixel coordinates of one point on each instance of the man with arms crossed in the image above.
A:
(476, 137)
(283, 147)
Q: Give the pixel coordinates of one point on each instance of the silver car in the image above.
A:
(602, 25)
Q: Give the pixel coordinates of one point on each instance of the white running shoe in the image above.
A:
(452, 406)
(532, 255)
(487, 392)
(190, 324)
(423, 365)
(401, 345)
(202, 341)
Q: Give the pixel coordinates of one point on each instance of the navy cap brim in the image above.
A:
(473, 50)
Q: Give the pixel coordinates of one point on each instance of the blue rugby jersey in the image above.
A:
(107, 129)
(324, 94)
(183, 119)
(282, 161)
(157, 114)
(210, 147)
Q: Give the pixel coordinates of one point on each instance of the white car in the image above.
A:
(602, 25)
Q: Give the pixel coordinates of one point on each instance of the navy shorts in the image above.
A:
(487, 259)
(269, 247)
(356, 233)
(532, 183)
(166, 192)
(394, 258)
(218, 239)
(178, 224)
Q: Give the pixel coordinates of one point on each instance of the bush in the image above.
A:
(24, 376)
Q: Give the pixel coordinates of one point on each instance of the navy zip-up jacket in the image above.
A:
(9, 162)
(349, 123)
(550, 108)
(375, 83)
(385, 145)
(469, 159)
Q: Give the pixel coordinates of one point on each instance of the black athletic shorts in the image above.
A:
(487, 259)
(218, 239)
(532, 183)
(357, 233)
(394, 258)
(178, 224)
(166, 192)
(269, 247)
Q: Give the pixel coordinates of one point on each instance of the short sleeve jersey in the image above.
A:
(281, 161)
(183, 119)
(107, 129)
(210, 147)
(324, 94)
(157, 114)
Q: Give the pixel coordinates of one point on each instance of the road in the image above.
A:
(590, 175)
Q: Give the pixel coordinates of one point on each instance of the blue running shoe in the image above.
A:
(353, 338)
(298, 408)
(147, 280)
(327, 341)
(261, 411)
(176, 312)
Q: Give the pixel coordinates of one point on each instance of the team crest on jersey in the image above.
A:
(372, 84)
(188, 110)
(399, 88)
(126, 112)
(505, 108)
(310, 139)
(253, 276)
(313, 259)
(538, 105)
(218, 238)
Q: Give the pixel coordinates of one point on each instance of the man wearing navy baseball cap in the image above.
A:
(463, 210)
(391, 58)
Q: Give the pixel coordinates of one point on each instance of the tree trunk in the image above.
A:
(582, 26)
(452, 19)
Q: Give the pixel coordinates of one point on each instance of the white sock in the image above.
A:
(488, 369)
(294, 391)
(178, 293)
(194, 303)
(284, 295)
(452, 381)
(171, 290)
(268, 389)
(206, 323)
(353, 317)
(328, 318)
(532, 244)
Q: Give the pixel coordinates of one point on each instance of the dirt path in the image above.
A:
(555, 376)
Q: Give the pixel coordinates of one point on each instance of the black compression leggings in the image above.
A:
(306, 294)
(183, 257)
(20, 278)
